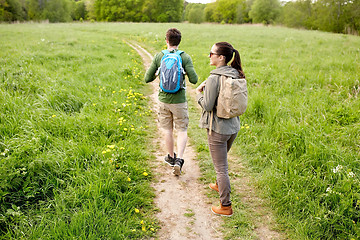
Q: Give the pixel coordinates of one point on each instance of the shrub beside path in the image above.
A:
(184, 209)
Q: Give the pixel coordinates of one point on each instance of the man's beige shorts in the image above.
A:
(170, 114)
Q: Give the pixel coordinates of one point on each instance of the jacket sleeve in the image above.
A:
(190, 70)
(155, 64)
(207, 99)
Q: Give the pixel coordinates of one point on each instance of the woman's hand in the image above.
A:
(200, 88)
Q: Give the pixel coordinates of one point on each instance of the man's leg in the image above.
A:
(169, 141)
(181, 143)
(166, 123)
(181, 120)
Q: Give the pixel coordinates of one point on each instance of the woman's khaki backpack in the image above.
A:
(232, 99)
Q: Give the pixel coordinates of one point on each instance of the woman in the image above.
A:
(223, 131)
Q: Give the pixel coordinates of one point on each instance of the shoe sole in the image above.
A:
(220, 214)
(168, 163)
(177, 170)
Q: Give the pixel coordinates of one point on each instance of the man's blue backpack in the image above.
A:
(171, 72)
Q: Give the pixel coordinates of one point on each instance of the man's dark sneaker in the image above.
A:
(170, 160)
(178, 166)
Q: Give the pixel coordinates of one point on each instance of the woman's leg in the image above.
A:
(218, 145)
(230, 141)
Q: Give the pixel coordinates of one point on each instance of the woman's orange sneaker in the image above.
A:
(214, 186)
(222, 210)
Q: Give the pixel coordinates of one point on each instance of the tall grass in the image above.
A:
(73, 132)
(303, 139)
(66, 160)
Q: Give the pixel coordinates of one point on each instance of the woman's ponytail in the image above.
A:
(236, 63)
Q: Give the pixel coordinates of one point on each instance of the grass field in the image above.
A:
(74, 134)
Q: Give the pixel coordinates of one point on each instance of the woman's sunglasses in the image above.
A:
(211, 53)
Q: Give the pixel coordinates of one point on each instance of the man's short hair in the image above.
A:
(173, 36)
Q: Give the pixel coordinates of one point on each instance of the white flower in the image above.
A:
(329, 190)
(337, 169)
(351, 174)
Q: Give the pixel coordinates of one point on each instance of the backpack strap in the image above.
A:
(179, 52)
(211, 120)
(212, 112)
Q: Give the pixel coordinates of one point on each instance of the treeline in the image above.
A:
(340, 16)
(99, 10)
(38, 10)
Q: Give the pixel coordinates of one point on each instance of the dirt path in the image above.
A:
(184, 211)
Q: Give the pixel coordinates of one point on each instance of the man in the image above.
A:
(173, 108)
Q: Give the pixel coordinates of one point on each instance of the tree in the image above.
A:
(194, 13)
(34, 9)
(228, 11)
(90, 9)
(78, 10)
(265, 11)
(57, 11)
(353, 20)
(11, 10)
(210, 12)
(169, 10)
(297, 14)
(149, 11)
(333, 15)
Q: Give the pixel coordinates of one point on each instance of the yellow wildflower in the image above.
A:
(137, 210)
(145, 174)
